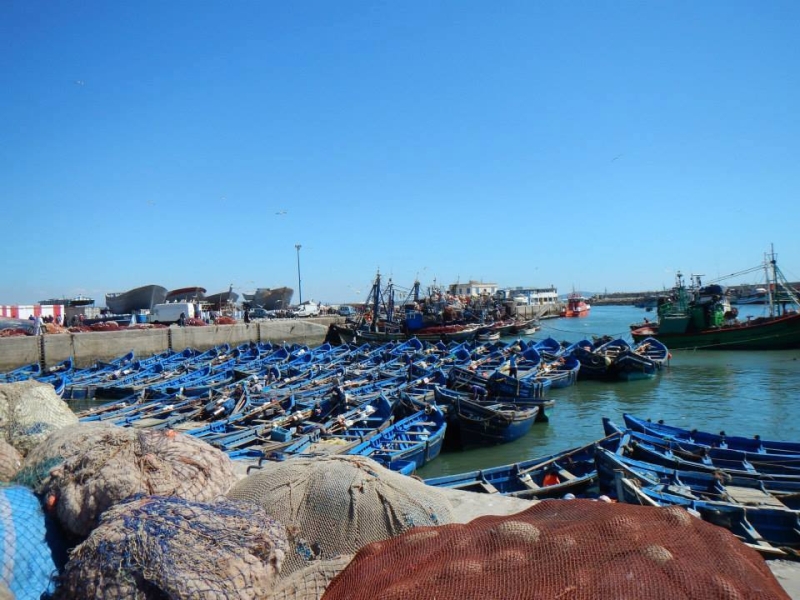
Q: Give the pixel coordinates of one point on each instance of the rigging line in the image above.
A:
(738, 273)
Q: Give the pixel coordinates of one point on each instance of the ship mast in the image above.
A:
(772, 280)
(376, 291)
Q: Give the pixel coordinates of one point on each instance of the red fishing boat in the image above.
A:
(577, 306)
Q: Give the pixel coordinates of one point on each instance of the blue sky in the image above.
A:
(587, 145)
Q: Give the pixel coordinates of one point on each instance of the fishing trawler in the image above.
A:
(701, 317)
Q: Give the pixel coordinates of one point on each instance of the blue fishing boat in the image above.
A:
(594, 365)
(712, 456)
(718, 440)
(628, 365)
(414, 440)
(688, 457)
(552, 476)
(653, 349)
(531, 386)
(549, 348)
(21, 374)
(491, 423)
(448, 399)
(59, 384)
(51, 373)
(765, 518)
(345, 431)
(561, 372)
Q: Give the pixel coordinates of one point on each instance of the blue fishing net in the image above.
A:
(27, 566)
(168, 547)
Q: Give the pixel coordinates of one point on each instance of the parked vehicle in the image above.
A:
(170, 312)
(346, 311)
(307, 309)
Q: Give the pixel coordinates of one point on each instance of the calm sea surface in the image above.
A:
(744, 393)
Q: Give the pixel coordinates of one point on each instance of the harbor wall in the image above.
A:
(18, 351)
(536, 311)
(87, 348)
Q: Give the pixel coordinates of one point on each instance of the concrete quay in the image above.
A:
(88, 348)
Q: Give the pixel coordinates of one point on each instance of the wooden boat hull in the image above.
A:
(141, 298)
(219, 301)
(271, 298)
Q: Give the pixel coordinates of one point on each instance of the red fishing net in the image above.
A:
(562, 549)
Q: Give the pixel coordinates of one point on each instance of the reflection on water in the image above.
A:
(743, 393)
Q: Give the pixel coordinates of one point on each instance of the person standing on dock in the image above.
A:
(181, 319)
(37, 325)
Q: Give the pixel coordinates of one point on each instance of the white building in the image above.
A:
(472, 288)
(530, 296)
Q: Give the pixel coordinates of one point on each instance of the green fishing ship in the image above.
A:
(701, 317)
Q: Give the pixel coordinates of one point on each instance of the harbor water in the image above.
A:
(742, 393)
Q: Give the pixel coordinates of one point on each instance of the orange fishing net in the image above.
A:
(562, 549)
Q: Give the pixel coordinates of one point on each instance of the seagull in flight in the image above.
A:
(80, 82)
(280, 212)
(618, 156)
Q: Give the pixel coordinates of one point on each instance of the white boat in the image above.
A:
(756, 296)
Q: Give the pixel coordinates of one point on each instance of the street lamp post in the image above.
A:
(299, 284)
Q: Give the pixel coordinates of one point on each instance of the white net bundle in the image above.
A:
(310, 583)
(152, 547)
(84, 470)
(335, 505)
(29, 412)
(10, 461)
(64, 442)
